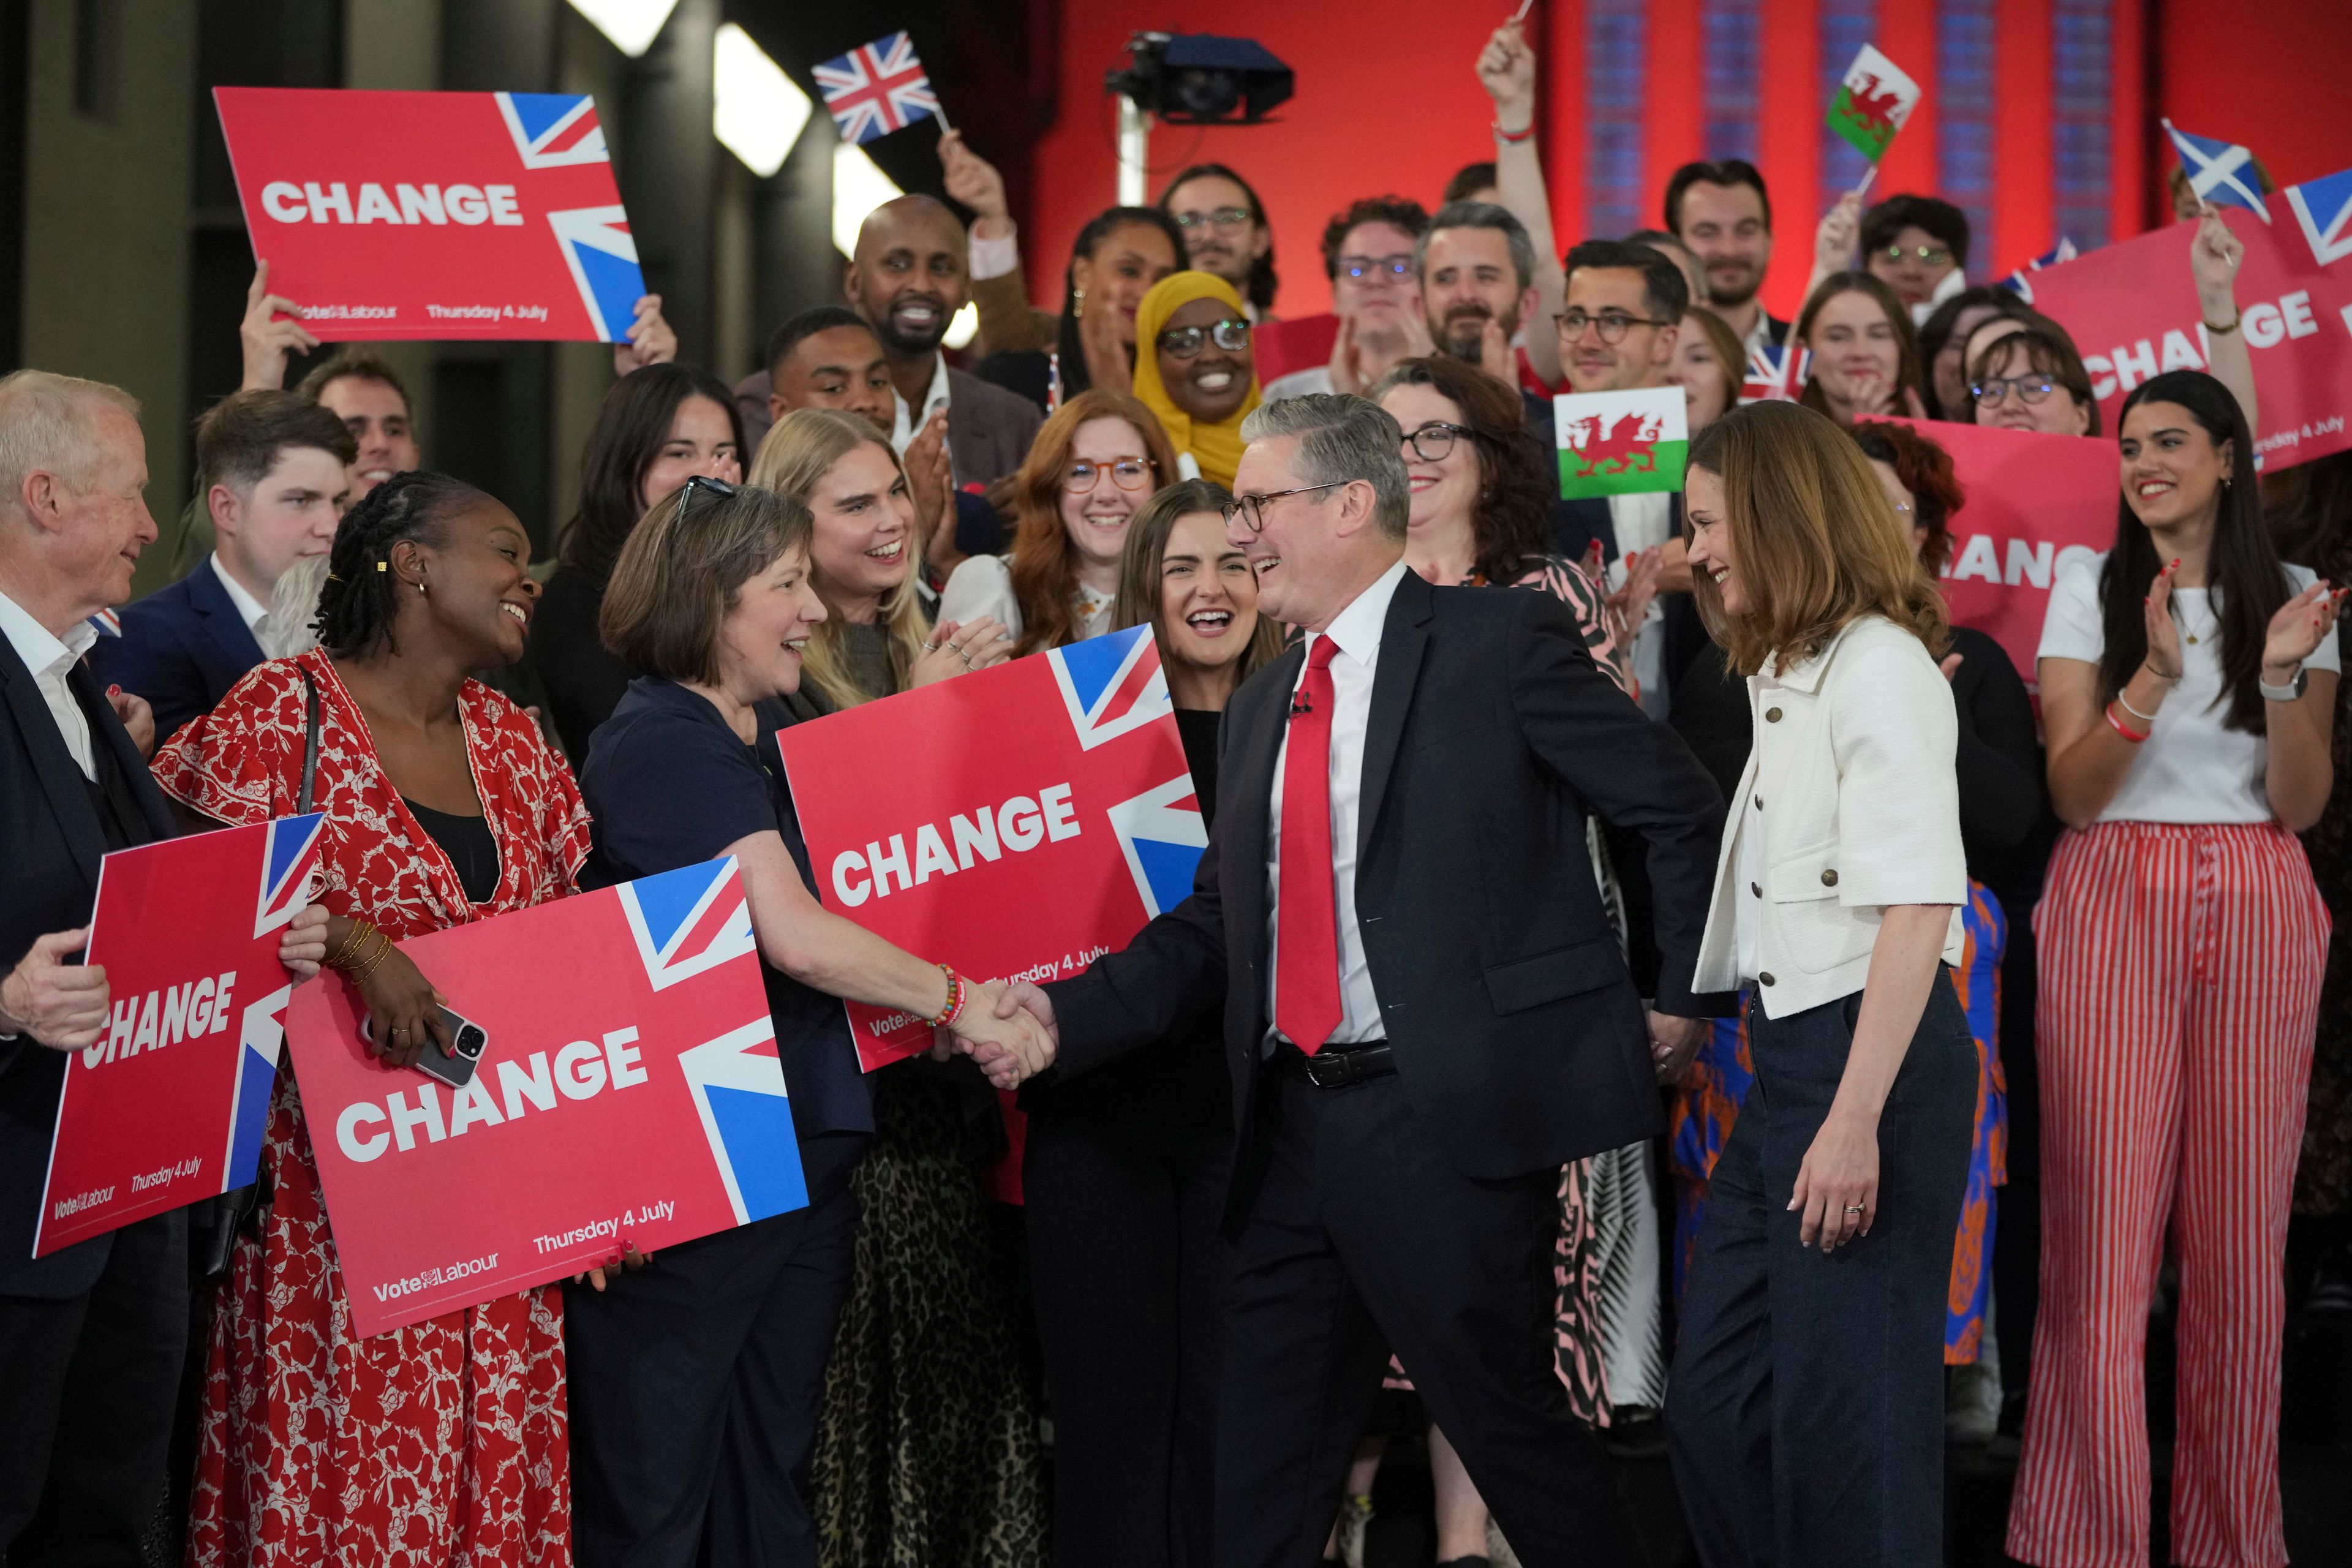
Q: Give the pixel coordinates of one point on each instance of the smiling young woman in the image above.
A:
(1194, 368)
(1865, 353)
(2183, 943)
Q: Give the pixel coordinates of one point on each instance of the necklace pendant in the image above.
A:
(2192, 642)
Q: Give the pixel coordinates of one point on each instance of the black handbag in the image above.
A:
(217, 1224)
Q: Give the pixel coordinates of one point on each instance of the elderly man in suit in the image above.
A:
(90, 1337)
(1426, 1012)
(273, 474)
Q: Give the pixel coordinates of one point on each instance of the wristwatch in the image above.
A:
(2287, 693)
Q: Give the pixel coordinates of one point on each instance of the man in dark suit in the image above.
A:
(908, 279)
(91, 1337)
(1426, 1013)
(273, 474)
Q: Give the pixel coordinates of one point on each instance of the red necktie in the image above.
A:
(1306, 926)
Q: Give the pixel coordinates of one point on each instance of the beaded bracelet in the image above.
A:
(2120, 728)
(955, 1008)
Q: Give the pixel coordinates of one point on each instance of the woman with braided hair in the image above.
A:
(443, 1442)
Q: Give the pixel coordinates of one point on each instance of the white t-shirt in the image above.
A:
(2191, 769)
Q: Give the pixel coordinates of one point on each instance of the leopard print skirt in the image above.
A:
(928, 1453)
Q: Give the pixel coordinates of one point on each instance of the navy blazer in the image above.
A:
(1518, 1030)
(51, 842)
(182, 648)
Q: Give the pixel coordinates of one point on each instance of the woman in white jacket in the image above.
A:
(1806, 1406)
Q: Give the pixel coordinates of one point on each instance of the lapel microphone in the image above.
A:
(1299, 703)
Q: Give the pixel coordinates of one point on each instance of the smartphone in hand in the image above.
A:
(469, 1038)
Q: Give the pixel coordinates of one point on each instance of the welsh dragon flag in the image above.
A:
(1873, 103)
(1620, 443)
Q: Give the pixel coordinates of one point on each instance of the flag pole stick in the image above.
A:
(1867, 175)
(940, 114)
(1521, 13)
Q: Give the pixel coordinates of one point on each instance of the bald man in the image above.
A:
(907, 279)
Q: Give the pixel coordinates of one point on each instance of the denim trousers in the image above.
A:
(1805, 1413)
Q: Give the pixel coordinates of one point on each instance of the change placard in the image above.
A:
(168, 1106)
(1037, 814)
(630, 1092)
(435, 215)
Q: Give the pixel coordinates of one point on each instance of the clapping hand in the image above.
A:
(956, 647)
(2296, 633)
(2163, 637)
(649, 339)
(271, 329)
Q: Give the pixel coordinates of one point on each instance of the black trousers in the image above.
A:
(87, 1386)
(1128, 1267)
(695, 1386)
(1364, 1237)
(1806, 1410)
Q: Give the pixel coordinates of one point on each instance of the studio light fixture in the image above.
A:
(631, 24)
(756, 111)
(858, 187)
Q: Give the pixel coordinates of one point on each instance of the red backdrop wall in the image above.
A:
(1387, 101)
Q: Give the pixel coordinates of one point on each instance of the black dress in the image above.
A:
(583, 680)
(1125, 1175)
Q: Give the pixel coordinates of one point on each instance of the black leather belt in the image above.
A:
(1336, 1067)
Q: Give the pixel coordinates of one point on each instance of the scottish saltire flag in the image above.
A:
(2017, 282)
(1873, 102)
(2324, 208)
(876, 88)
(1777, 371)
(2219, 172)
(1620, 443)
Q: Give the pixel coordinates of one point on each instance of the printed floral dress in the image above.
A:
(442, 1445)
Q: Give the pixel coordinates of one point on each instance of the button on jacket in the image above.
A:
(1850, 803)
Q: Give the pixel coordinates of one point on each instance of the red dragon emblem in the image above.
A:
(1872, 106)
(1616, 444)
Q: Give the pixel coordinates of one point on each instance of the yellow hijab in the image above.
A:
(1216, 447)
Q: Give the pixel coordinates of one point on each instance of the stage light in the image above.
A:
(632, 24)
(1200, 79)
(964, 326)
(756, 111)
(858, 187)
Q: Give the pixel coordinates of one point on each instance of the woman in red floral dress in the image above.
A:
(444, 1443)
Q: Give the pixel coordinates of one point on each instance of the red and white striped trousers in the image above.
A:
(2179, 991)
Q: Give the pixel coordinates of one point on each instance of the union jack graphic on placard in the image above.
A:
(292, 857)
(261, 1038)
(602, 258)
(552, 129)
(688, 920)
(876, 88)
(1162, 836)
(2324, 208)
(737, 1084)
(1111, 684)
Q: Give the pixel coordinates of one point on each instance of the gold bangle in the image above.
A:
(353, 940)
(384, 945)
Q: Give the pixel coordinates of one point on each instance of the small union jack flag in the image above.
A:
(2019, 285)
(876, 88)
(1777, 371)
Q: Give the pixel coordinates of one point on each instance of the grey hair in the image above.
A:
(1341, 438)
(1480, 214)
(47, 423)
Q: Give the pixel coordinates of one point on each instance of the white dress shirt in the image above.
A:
(1357, 629)
(1645, 522)
(50, 662)
(905, 423)
(250, 610)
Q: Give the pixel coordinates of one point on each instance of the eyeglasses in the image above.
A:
(1612, 325)
(687, 492)
(1376, 268)
(1223, 217)
(1434, 440)
(2029, 388)
(1127, 473)
(1231, 334)
(1926, 254)
(1250, 510)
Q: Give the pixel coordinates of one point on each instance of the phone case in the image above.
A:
(457, 1071)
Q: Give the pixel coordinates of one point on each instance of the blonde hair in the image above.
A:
(1814, 538)
(793, 460)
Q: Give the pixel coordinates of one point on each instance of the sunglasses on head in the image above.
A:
(699, 485)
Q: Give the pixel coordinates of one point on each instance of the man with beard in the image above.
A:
(907, 279)
(1368, 255)
(1722, 216)
(1225, 232)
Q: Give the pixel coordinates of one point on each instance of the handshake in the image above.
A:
(1008, 1029)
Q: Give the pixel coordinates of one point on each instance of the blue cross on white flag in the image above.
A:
(2219, 172)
